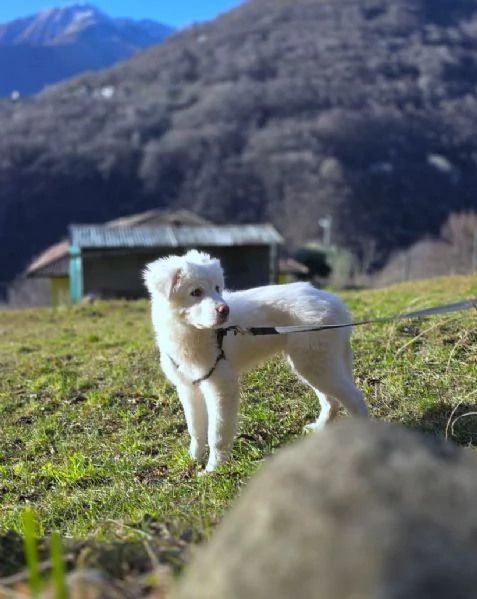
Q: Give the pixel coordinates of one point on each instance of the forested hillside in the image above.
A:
(282, 110)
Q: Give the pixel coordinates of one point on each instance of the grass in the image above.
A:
(93, 438)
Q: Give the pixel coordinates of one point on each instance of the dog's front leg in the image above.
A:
(195, 412)
(221, 394)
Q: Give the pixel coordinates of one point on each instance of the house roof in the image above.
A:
(54, 260)
(292, 266)
(97, 236)
(177, 218)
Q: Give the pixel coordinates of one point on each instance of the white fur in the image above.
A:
(184, 327)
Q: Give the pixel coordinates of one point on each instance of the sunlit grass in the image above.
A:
(93, 438)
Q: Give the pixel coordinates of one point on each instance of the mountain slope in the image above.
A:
(56, 44)
(287, 111)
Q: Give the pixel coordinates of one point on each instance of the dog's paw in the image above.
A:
(196, 450)
(203, 473)
(216, 458)
(211, 467)
(313, 426)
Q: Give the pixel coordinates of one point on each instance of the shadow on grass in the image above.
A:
(456, 424)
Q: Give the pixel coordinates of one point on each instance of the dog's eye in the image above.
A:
(217, 289)
(196, 293)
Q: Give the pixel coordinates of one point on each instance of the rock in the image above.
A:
(361, 510)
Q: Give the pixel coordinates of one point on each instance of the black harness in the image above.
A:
(220, 334)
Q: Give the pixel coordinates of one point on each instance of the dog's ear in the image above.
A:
(162, 276)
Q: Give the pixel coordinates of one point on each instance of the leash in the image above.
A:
(286, 330)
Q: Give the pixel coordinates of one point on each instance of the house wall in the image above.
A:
(117, 273)
(244, 266)
(29, 293)
(60, 291)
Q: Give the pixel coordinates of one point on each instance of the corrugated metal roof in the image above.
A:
(45, 265)
(99, 236)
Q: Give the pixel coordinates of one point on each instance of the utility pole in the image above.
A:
(325, 223)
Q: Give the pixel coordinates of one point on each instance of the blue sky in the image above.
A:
(177, 13)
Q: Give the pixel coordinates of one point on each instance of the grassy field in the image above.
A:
(93, 438)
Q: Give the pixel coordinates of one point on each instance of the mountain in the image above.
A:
(59, 43)
(282, 110)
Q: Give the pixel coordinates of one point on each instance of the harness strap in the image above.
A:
(220, 334)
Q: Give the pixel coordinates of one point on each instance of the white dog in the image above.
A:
(190, 309)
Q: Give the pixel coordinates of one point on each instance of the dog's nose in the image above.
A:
(223, 310)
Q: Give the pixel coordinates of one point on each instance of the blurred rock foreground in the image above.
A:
(362, 510)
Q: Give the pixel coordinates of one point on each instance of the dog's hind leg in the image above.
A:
(341, 387)
(195, 411)
(329, 407)
(333, 385)
(221, 394)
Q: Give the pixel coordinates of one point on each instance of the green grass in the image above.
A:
(93, 438)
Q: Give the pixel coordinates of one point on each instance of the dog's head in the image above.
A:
(191, 286)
